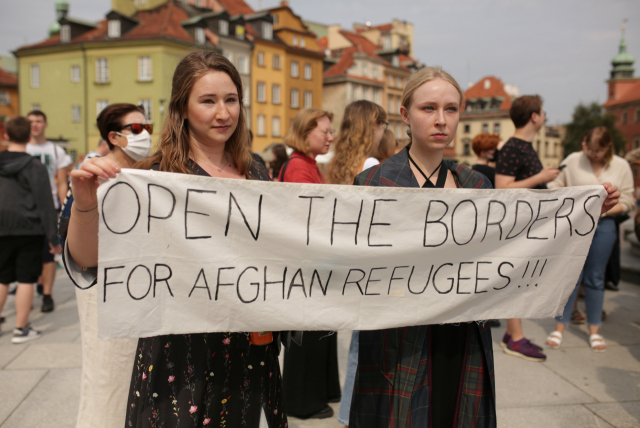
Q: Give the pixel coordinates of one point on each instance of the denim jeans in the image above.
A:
(592, 276)
(349, 381)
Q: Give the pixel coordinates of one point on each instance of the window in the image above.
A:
(398, 84)
(101, 105)
(275, 94)
(386, 43)
(395, 61)
(307, 71)
(374, 72)
(308, 99)
(295, 98)
(276, 62)
(637, 118)
(275, 19)
(485, 127)
(390, 81)
(496, 128)
(223, 27)
(243, 64)
(467, 129)
(75, 73)
(35, 76)
(636, 143)
(102, 70)
(35, 106)
(623, 117)
(113, 30)
(260, 125)
(146, 105)
(295, 41)
(365, 93)
(75, 113)
(275, 127)
(294, 69)
(261, 59)
(262, 96)
(267, 31)
(200, 36)
(546, 149)
(144, 68)
(376, 96)
(466, 147)
(4, 98)
(302, 42)
(240, 32)
(390, 103)
(65, 33)
(364, 70)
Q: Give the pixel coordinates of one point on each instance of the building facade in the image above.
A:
(9, 104)
(486, 110)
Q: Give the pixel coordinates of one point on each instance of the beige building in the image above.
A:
(396, 35)
(487, 105)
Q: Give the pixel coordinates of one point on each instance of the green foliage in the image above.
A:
(585, 118)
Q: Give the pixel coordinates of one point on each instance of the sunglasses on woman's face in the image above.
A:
(137, 128)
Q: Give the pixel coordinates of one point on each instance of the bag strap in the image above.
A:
(283, 169)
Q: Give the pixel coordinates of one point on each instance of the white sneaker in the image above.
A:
(26, 334)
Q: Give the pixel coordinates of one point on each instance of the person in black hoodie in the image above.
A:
(27, 218)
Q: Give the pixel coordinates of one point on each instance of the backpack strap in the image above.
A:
(283, 169)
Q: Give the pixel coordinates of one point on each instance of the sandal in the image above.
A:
(577, 317)
(597, 340)
(554, 340)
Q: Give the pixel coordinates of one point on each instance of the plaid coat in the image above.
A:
(392, 381)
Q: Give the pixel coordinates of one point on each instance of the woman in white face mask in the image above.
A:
(103, 389)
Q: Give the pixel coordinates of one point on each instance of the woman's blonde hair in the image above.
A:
(175, 149)
(355, 140)
(421, 77)
(302, 124)
(601, 137)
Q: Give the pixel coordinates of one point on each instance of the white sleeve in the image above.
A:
(370, 162)
(64, 160)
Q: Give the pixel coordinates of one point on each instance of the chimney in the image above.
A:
(284, 3)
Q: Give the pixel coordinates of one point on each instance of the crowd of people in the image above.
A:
(431, 375)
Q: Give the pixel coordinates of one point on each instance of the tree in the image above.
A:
(585, 118)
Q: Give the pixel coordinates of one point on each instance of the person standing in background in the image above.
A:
(56, 161)
(519, 167)
(310, 376)
(484, 146)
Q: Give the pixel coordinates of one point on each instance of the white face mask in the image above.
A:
(138, 145)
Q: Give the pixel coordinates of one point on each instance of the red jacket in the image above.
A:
(301, 169)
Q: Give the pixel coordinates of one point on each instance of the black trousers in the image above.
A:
(310, 375)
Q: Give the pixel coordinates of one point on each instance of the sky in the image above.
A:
(559, 49)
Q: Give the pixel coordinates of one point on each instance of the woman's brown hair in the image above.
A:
(387, 143)
(601, 137)
(175, 150)
(355, 140)
(302, 124)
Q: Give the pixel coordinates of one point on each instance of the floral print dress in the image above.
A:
(206, 380)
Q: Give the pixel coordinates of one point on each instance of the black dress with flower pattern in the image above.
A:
(210, 379)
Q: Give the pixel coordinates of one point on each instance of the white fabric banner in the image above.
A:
(188, 254)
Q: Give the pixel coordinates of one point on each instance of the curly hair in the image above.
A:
(483, 142)
(175, 149)
(355, 140)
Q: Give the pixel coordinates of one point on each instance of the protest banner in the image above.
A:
(190, 254)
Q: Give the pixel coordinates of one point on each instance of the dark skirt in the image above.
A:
(311, 374)
(214, 379)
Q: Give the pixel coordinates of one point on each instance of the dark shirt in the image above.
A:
(518, 159)
(487, 171)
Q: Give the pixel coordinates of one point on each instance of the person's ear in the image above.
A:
(113, 138)
(405, 114)
(5, 136)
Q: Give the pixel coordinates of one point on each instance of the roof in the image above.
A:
(7, 78)
(495, 90)
(236, 7)
(368, 47)
(344, 63)
(382, 28)
(161, 22)
(630, 95)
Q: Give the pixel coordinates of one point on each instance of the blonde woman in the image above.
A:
(361, 130)
(430, 375)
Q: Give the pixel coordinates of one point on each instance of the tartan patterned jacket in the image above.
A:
(392, 381)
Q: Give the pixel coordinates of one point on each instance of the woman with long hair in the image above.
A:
(387, 147)
(217, 379)
(103, 389)
(361, 130)
(310, 374)
(595, 164)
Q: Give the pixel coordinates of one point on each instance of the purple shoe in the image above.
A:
(524, 349)
(507, 337)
